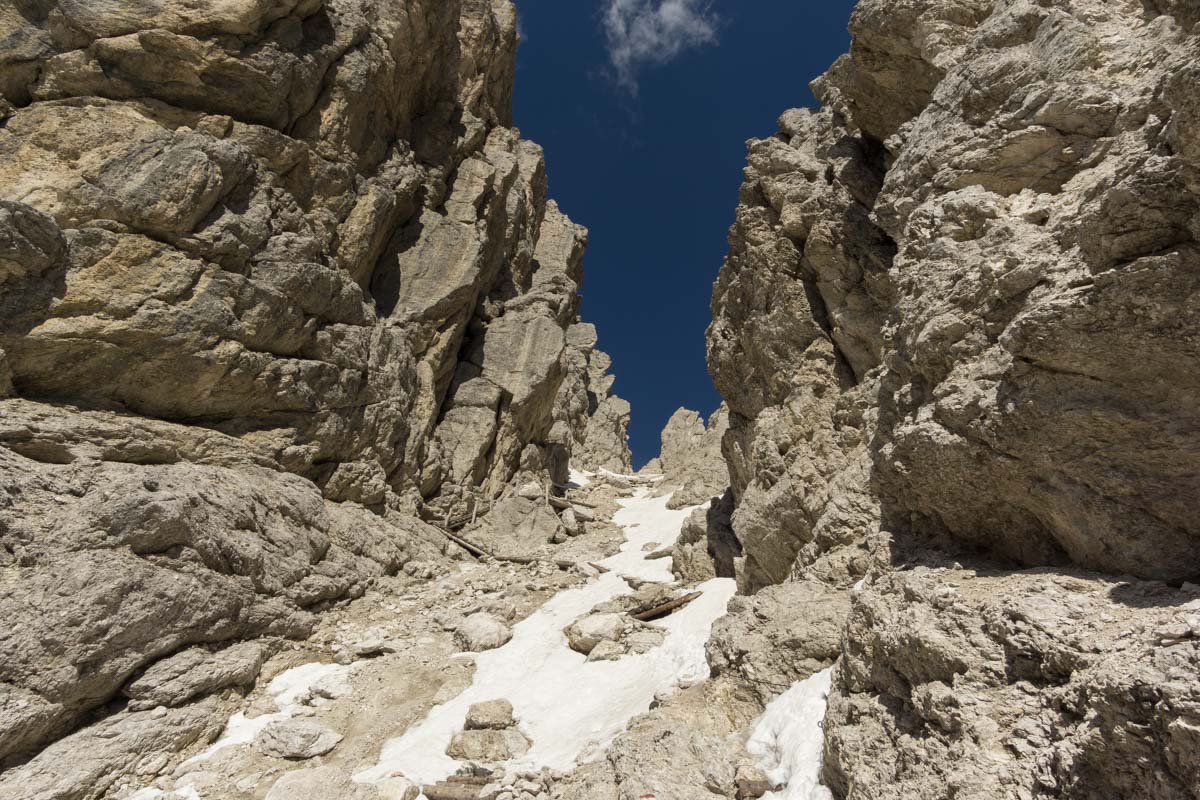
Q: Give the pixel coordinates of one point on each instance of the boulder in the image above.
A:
(586, 632)
(481, 631)
(296, 739)
(490, 715)
(323, 783)
(488, 746)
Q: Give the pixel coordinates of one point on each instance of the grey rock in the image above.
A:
(518, 526)
(296, 739)
(956, 325)
(690, 460)
(778, 636)
(196, 671)
(314, 312)
(488, 746)
(97, 758)
(586, 632)
(481, 631)
(320, 783)
(491, 715)
(707, 547)
(945, 667)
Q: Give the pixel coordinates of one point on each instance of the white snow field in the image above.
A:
(568, 708)
(788, 740)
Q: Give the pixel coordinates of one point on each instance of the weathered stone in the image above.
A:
(958, 317)
(585, 633)
(780, 635)
(300, 254)
(691, 462)
(752, 782)
(943, 668)
(320, 783)
(297, 739)
(488, 746)
(481, 631)
(95, 759)
(196, 671)
(492, 715)
(707, 547)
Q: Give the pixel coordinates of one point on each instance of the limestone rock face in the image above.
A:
(797, 316)
(690, 459)
(196, 671)
(958, 325)
(1085, 684)
(274, 276)
(780, 635)
(932, 294)
(603, 441)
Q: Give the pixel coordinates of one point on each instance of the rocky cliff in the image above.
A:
(957, 333)
(277, 278)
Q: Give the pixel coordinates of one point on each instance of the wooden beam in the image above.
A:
(565, 502)
(468, 545)
(663, 609)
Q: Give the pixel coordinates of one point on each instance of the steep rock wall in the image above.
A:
(274, 277)
(957, 335)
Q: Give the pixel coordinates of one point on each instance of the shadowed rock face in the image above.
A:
(272, 276)
(958, 324)
(988, 281)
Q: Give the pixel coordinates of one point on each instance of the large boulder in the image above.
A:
(481, 631)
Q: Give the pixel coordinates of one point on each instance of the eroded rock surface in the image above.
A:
(690, 460)
(958, 325)
(275, 279)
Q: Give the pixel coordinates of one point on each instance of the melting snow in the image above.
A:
(288, 689)
(151, 793)
(571, 709)
(788, 740)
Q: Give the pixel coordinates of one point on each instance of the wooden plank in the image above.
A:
(566, 502)
(561, 563)
(662, 609)
(468, 545)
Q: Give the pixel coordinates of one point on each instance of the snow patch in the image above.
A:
(788, 740)
(151, 793)
(571, 709)
(288, 689)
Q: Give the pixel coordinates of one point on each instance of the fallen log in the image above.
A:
(467, 545)
(561, 563)
(666, 552)
(663, 609)
(563, 503)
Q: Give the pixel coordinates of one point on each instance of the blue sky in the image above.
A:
(643, 108)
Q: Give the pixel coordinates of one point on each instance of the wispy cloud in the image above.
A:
(643, 32)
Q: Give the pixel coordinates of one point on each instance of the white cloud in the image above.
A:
(641, 32)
